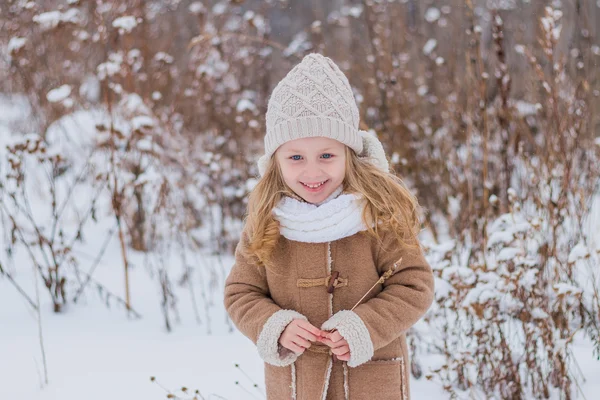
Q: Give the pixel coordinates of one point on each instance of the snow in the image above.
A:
(500, 237)
(538, 313)
(563, 288)
(214, 66)
(429, 46)
(132, 104)
(299, 44)
(147, 176)
(245, 104)
(16, 43)
(14, 109)
(162, 56)
(520, 49)
(51, 19)
(98, 351)
(525, 108)
(125, 24)
(501, 4)
(142, 121)
(508, 253)
(465, 274)
(219, 8)
(432, 14)
(110, 67)
(260, 24)
(505, 228)
(556, 32)
(481, 294)
(353, 11)
(59, 94)
(197, 8)
(579, 251)
(442, 288)
(90, 88)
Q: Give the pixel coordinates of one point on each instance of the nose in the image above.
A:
(312, 169)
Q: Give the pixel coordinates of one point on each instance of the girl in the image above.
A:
(326, 220)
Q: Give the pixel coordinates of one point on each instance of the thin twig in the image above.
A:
(19, 288)
(39, 321)
(94, 265)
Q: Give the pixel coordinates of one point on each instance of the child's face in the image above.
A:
(310, 161)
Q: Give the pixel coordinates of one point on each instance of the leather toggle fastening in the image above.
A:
(330, 282)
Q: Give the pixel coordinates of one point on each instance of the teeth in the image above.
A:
(314, 186)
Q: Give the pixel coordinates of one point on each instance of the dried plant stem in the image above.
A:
(39, 322)
(96, 263)
(19, 288)
(250, 379)
(382, 279)
(125, 263)
(207, 36)
(386, 275)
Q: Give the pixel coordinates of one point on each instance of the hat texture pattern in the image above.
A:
(315, 99)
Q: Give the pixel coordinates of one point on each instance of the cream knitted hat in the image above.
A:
(315, 99)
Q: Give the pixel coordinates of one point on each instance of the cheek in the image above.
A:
(288, 173)
(340, 169)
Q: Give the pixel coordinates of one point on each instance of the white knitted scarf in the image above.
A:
(338, 216)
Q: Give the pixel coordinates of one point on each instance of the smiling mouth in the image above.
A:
(314, 185)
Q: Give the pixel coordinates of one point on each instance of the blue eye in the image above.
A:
(326, 156)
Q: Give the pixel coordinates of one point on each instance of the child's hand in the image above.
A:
(339, 345)
(297, 334)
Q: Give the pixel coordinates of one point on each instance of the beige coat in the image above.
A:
(261, 303)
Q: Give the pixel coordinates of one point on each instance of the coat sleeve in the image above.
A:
(251, 309)
(405, 298)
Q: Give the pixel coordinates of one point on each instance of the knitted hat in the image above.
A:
(315, 99)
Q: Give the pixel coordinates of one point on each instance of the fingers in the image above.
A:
(307, 335)
(308, 330)
(335, 336)
(338, 351)
(334, 345)
(301, 342)
(327, 342)
(343, 357)
(289, 338)
(294, 347)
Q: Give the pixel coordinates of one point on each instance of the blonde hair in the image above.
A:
(390, 205)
